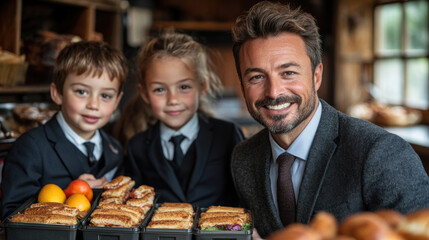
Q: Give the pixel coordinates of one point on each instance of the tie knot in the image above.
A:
(176, 140)
(89, 147)
(286, 160)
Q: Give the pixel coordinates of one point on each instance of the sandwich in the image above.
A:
(225, 220)
(44, 219)
(142, 191)
(136, 210)
(172, 207)
(73, 212)
(176, 205)
(177, 215)
(170, 224)
(140, 204)
(144, 202)
(117, 200)
(51, 205)
(225, 209)
(142, 197)
(117, 182)
(120, 188)
(99, 212)
(244, 216)
(48, 213)
(173, 216)
(116, 215)
(225, 223)
(111, 220)
(117, 191)
(121, 207)
(220, 218)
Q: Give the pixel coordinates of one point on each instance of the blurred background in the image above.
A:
(375, 55)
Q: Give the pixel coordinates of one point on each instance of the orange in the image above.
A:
(79, 201)
(79, 186)
(51, 193)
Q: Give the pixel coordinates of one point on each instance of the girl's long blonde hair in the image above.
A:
(193, 54)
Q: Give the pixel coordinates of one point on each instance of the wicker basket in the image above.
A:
(13, 69)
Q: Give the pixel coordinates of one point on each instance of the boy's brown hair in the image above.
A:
(92, 58)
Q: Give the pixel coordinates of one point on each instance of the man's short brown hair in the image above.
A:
(267, 19)
(90, 57)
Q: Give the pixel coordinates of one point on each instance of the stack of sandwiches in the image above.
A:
(48, 213)
(142, 197)
(173, 216)
(117, 190)
(116, 215)
(120, 206)
(224, 218)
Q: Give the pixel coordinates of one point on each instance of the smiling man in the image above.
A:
(310, 157)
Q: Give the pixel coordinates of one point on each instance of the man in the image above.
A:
(338, 164)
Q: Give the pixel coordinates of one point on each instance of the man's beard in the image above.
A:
(278, 126)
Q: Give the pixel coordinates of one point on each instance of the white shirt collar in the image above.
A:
(77, 140)
(189, 130)
(302, 144)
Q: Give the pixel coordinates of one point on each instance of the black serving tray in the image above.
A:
(167, 234)
(214, 235)
(114, 233)
(28, 231)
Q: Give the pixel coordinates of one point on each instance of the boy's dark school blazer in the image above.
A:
(210, 182)
(44, 155)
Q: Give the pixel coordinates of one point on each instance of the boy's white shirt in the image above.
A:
(78, 141)
(189, 130)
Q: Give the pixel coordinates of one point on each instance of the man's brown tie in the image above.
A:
(285, 193)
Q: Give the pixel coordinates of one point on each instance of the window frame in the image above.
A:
(402, 56)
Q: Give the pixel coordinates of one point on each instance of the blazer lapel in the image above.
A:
(203, 143)
(111, 154)
(264, 163)
(164, 169)
(66, 151)
(321, 152)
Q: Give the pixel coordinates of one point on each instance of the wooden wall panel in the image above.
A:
(353, 51)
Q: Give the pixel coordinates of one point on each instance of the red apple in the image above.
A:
(79, 186)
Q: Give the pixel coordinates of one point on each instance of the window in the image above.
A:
(401, 63)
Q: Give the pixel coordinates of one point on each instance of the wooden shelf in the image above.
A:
(111, 5)
(194, 25)
(87, 19)
(25, 89)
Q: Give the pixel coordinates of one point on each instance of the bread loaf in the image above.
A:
(295, 231)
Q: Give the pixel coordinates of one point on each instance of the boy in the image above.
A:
(87, 85)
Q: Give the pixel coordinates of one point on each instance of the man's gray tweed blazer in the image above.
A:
(352, 166)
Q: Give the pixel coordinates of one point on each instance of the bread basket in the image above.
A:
(13, 69)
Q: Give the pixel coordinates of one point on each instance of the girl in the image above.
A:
(176, 81)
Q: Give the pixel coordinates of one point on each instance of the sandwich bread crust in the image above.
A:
(170, 224)
(111, 220)
(177, 215)
(45, 219)
(225, 209)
